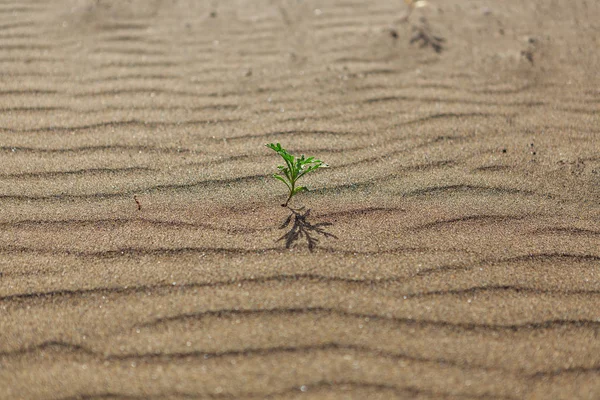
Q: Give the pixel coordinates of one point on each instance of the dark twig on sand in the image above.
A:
(139, 205)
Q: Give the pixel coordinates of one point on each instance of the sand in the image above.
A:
(454, 241)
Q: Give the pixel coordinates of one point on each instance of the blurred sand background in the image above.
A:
(463, 195)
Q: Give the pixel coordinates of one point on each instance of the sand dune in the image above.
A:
(452, 249)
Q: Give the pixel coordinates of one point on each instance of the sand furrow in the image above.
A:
(88, 171)
(115, 124)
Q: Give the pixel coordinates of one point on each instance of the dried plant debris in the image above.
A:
(422, 35)
(137, 201)
(529, 52)
(302, 228)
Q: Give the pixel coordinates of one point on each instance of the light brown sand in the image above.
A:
(463, 194)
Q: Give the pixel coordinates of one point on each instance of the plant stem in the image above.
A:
(290, 196)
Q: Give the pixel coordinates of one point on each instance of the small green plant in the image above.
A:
(294, 169)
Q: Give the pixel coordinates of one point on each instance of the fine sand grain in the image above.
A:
(455, 239)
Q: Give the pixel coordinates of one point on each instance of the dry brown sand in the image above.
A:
(463, 195)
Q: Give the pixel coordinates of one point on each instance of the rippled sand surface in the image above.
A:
(452, 250)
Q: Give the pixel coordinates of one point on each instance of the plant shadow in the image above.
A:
(302, 228)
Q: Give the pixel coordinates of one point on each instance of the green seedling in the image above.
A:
(294, 169)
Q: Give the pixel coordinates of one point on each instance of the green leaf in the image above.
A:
(282, 180)
(295, 168)
(300, 189)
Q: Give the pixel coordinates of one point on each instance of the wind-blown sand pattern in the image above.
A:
(462, 212)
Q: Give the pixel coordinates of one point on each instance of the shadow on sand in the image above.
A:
(302, 228)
